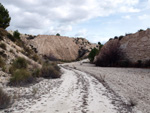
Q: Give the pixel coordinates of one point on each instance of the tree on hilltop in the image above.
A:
(57, 34)
(4, 17)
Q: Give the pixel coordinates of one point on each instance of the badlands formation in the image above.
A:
(60, 47)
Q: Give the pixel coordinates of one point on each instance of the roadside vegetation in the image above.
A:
(94, 52)
(21, 74)
(109, 55)
(5, 99)
(50, 71)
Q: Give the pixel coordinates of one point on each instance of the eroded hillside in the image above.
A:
(59, 47)
(135, 47)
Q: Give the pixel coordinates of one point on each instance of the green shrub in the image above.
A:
(4, 99)
(20, 63)
(49, 71)
(36, 72)
(57, 34)
(3, 46)
(11, 37)
(110, 39)
(140, 30)
(115, 37)
(16, 34)
(120, 37)
(56, 66)
(20, 77)
(92, 54)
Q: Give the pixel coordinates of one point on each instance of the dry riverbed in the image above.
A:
(84, 88)
(132, 85)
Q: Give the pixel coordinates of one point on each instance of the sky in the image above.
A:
(95, 20)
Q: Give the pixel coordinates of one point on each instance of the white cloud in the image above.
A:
(52, 15)
(127, 17)
(128, 9)
(143, 17)
(98, 38)
(59, 29)
(82, 33)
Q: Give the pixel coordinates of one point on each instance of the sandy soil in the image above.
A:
(131, 84)
(74, 92)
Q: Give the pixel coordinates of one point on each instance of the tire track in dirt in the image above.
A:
(78, 93)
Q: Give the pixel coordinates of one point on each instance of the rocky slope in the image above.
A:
(8, 53)
(59, 47)
(134, 46)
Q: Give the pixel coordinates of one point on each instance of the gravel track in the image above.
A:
(75, 92)
(132, 85)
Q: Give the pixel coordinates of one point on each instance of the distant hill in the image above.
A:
(59, 47)
(136, 46)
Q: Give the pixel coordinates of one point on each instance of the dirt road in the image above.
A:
(78, 93)
(131, 84)
(75, 92)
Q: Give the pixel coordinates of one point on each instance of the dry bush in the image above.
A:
(2, 63)
(110, 54)
(36, 72)
(3, 46)
(35, 57)
(147, 64)
(50, 71)
(20, 77)
(4, 99)
(20, 63)
(3, 33)
(131, 103)
(3, 54)
(20, 74)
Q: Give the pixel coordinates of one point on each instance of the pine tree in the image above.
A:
(57, 34)
(4, 17)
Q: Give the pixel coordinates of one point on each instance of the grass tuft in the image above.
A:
(4, 99)
(21, 77)
(50, 71)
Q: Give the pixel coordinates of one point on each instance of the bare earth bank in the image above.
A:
(131, 84)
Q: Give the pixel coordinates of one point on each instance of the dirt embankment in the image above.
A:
(60, 47)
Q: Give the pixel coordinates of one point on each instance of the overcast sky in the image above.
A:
(96, 20)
